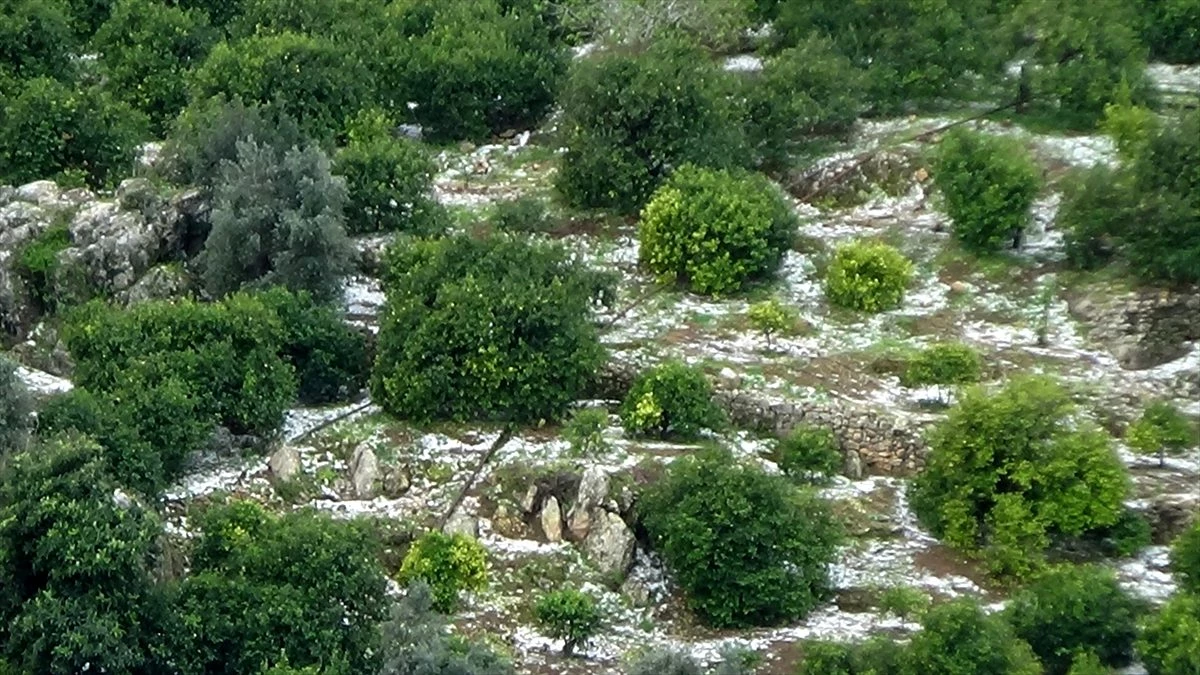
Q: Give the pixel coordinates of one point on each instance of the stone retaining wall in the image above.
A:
(1143, 328)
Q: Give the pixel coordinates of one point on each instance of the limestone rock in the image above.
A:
(529, 501)
(461, 522)
(284, 464)
(138, 194)
(552, 520)
(39, 192)
(77, 196)
(593, 491)
(852, 467)
(364, 470)
(609, 543)
(396, 482)
(160, 283)
(507, 521)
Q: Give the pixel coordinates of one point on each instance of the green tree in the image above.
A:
(449, 563)
(146, 50)
(911, 50)
(670, 400)
(472, 67)
(415, 640)
(804, 93)
(715, 230)
(1160, 430)
(630, 118)
(389, 181)
(50, 129)
(772, 317)
(1070, 610)
(809, 454)
(278, 220)
(1084, 54)
(958, 638)
(988, 184)
(36, 39)
(943, 363)
(16, 406)
(744, 545)
(1173, 30)
(1007, 474)
(313, 80)
(303, 586)
(868, 277)
(494, 328)
(76, 567)
(1185, 559)
(568, 615)
(1170, 640)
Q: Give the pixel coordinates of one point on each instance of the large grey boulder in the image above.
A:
(160, 283)
(609, 544)
(39, 192)
(364, 471)
(593, 493)
(551, 519)
(284, 464)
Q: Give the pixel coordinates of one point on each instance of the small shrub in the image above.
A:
(49, 128)
(449, 564)
(492, 328)
(1087, 663)
(1173, 30)
(16, 407)
(37, 264)
(771, 318)
(1130, 534)
(585, 431)
(389, 182)
(1167, 645)
(664, 662)
(630, 118)
(523, 214)
(1075, 609)
(472, 67)
(944, 363)
(804, 93)
(827, 658)
(988, 184)
(1185, 559)
(670, 400)
(329, 356)
(1071, 481)
(1093, 212)
(746, 548)
(277, 220)
(146, 50)
(958, 638)
(314, 81)
(1130, 126)
(715, 230)
(869, 277)
(904, 601)
(810, 455)
(1161, 429)
(568, 615)
(416, 640)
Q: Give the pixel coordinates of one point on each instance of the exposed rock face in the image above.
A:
(593, 492)
(1143, 328)
(609, 544)
(1169, 515)
(364, 471)
(461, 522)
(284, 464)
(552, 520)
(160, 283)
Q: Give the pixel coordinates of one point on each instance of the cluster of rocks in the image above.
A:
(116, 245)
(1142, 328)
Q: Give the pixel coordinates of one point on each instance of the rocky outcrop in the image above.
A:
(609, 544)
(593, 493)
(284, 464)
(1142, 328)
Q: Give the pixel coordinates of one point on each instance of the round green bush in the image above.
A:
(943, 363)
(449, 564)
(1094, 209)
(497, 328)
(804, 93)
(715, 230)
(810, 454)
(568, 615)
(1161, 430)
(472, 67)
(1071, 482)
(1173, 30)
(911, 50)
(1185, 559)
(524, 214)
(318, 83)
(1070, 610)
(631, 117)
(869, 277)
(958, 638)
(988, 184)
(745, 546)
(389, 184)
(36, 39)
(1169, 638)
(670, 400)
(146, 50)
(50, 129)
